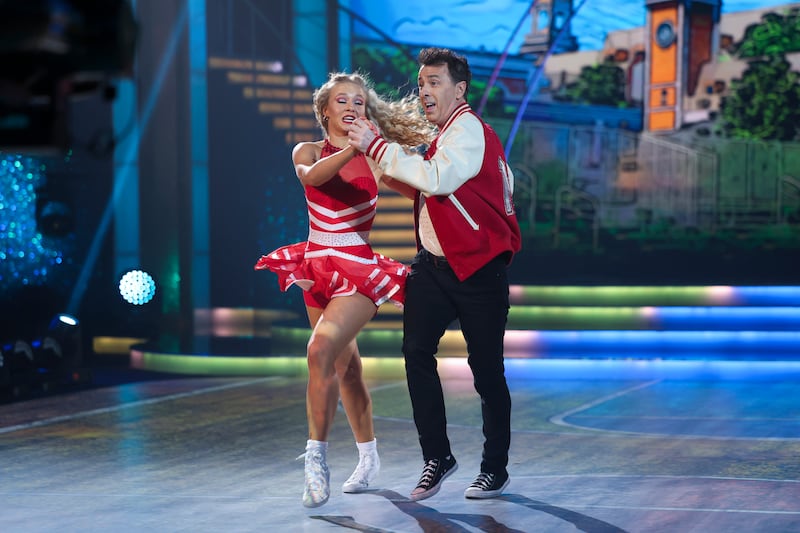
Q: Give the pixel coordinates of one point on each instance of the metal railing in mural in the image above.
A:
(586, 186)
(786, 185)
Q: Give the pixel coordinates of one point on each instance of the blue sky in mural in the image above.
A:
(488, 24)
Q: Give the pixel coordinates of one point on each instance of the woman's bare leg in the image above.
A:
(358, 407)
(335, 329)
(355, 395)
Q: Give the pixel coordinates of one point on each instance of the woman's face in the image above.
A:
(347, 102)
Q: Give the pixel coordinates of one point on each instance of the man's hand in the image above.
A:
(361, 133)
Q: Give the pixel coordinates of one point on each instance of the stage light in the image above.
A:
(47, 355)
(67, 319)
(19, 359)
(61, 349)
(137, 287)
(44, 364)
(19, 371)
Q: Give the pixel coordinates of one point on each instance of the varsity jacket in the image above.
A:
(468, 188)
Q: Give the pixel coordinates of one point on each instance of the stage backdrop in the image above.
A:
(650, 144)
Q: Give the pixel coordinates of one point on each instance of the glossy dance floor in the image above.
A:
(197, 454)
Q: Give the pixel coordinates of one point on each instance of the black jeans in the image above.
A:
(434, 299)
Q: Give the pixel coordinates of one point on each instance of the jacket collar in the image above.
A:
(457, 112)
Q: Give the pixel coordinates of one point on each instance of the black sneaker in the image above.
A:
(433, 473)
(487, 485)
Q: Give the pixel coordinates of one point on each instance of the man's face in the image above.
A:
(439, 95)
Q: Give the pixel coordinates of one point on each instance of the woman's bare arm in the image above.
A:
(313, 170)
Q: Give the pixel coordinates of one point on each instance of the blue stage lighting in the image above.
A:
(63, 318)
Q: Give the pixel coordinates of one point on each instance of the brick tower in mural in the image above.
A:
(682, 36)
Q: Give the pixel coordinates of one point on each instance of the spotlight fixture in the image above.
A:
(46, 363)
(61, 348)
(47, 355)
(18, 356)
(137, 287)
(18, 372)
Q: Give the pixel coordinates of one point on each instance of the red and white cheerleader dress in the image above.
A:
(337, 259)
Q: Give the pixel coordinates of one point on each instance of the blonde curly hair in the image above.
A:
(399, 121)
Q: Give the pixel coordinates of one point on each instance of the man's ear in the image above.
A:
(462, 89)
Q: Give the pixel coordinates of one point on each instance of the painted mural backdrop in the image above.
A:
(651, 143)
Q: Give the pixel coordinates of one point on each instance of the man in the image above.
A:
(467, 233)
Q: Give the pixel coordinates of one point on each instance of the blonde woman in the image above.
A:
(343, 279)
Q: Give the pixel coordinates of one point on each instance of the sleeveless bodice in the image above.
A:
(341, 211)
(337, 259)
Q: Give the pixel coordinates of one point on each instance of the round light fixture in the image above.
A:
(137, 287)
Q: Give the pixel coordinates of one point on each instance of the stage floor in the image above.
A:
(197, 454)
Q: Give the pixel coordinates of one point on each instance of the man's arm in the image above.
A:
(458, 157)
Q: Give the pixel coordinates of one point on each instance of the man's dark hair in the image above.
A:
(457, 65)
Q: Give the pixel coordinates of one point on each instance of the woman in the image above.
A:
(344, 281)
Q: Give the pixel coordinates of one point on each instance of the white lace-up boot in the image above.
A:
(369, 464)
(317, 476)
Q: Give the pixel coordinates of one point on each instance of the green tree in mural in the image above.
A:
(495, 103)
(602, 84)
(393, 72)
(775, 34)
(765, 103)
